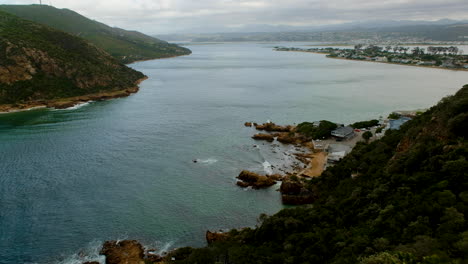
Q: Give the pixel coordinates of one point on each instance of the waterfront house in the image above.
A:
(346, 132)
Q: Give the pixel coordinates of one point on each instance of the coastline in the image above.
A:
(162, 58)
(64, 103)
(393, 63)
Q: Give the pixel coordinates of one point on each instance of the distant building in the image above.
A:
(381, 59)
(346, 132)
(336, 156)
(427, 63)
(396, 124)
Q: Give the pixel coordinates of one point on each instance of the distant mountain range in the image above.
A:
(378, 30)
(126, 46)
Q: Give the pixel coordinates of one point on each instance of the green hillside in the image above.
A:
(400, 199)
(126, 46)
(38, 63)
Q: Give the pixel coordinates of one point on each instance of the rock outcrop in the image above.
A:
(272, 127)
(256, 181)
(293, 192)
(123, 252)
(267, 137)
(215, 236)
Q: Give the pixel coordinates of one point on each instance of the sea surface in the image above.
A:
(123, 169)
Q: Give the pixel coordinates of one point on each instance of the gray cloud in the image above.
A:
(167, 16)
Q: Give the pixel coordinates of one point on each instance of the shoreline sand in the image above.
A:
(68, 102)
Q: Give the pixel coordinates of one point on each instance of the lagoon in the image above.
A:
(71, 179)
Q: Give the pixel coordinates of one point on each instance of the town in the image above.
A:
(434, 56)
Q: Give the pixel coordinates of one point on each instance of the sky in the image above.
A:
(208, 16)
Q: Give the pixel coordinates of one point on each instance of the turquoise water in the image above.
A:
(70, 179)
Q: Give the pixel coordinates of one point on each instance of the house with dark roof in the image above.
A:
(346, 132)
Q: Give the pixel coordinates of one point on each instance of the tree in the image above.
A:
(367, 135)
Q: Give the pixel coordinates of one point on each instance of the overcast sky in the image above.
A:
(197, 16)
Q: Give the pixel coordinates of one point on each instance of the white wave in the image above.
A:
(165, 248)
(90, 253)
(77, 106)
(267, 168)
(207, 161)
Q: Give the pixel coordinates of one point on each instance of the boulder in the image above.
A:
(248, 178)
(290, 187)
(123, 252)
(248, 124)
(215, 236)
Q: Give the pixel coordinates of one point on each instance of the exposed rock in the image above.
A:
(255, 180)
(123, 252)
(248, 124)
(290, 187)
(276, 177)
(91, 262)
(272, 127)
(294, 193)
(266, 137)
(215, 236)
(286, 138)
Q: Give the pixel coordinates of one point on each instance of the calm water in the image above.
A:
(70, 179)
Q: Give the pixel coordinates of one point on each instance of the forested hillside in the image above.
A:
(38, 63)
(126, 46)
(401, 199)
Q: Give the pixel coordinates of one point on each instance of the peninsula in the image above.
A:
(435, 56)
(44, 67)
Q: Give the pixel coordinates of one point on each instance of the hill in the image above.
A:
(359, 33)
(400, 199)
(39, 65)
(126, 46)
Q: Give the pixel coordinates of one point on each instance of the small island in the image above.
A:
(451, 58)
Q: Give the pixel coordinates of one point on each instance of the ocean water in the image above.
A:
(123, 169)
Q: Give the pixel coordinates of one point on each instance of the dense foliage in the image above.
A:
(365, 124)
(126, 46)
(41, 63)
(322, 130)
(400, 199)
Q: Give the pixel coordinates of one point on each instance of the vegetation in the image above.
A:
(394, 116)
(365, 124)
(367, 135)
(126, 46)
(407, 202)
(40, 63)
(444, 57)
(323, 130)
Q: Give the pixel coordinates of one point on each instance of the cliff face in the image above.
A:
(38, 63)
(126, 46)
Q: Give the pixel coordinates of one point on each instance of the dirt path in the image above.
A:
(316, 165)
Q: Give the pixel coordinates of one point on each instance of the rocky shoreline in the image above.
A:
(64, 103)
(293, 191)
